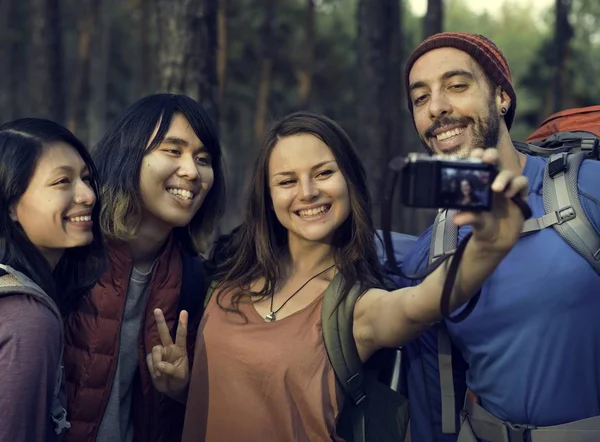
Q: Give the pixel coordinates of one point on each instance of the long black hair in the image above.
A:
(118, 156)
(22, 142)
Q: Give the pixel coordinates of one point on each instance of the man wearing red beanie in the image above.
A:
(532, 344)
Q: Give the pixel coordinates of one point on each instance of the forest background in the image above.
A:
(249, 62)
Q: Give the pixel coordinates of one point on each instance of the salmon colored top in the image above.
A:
(261, 381)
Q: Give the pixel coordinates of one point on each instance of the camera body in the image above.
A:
(442, 182)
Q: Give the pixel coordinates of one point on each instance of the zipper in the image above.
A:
(144, 378)
(116, 358)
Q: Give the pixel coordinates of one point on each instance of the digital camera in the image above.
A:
(442, 182)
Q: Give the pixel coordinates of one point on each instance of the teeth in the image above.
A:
(80, 219)
(313, 212)
(185, 194)
(449, 134)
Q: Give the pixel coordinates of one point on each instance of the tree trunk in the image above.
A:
(80, 96)
(563, 34)
(146, 66)
(207, 83)
(187, 55)
(97, 113)
(45, 58)
(9, 38)
(378, 91)
(264, 86)
(433, 22)
(304, 74)
(223, 49)
(175, 43)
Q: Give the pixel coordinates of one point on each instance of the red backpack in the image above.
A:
(566, 138)
(571, 130)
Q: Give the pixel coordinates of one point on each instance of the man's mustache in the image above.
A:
(462, 121)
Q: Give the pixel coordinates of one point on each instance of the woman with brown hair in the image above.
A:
(163, 192)
(261, 370)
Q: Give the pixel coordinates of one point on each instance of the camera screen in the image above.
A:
(465, 188)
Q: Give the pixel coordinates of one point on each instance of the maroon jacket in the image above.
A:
(92, 342)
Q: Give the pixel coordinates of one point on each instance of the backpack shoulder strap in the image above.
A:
(13, 282)
(193, 284)
(444, 236)
(563, 207)
(209, 292)
(444, 239)
(341, 348)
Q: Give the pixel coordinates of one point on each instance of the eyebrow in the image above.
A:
(446, 76)
(62, 169)
(316, 166)
(69, 169)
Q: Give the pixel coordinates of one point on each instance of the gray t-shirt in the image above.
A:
(117, 422)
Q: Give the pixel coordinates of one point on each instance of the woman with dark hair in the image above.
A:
(467, 196)
(50, 256)
(261, 370)
(163, 192)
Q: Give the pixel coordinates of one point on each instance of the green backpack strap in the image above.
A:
(209, 292)
(341, 348)
(563, 209)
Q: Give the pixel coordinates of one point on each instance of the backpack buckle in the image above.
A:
(565, 214)
(557, 164)
(355, 388)
(592, 147)
(60, 421)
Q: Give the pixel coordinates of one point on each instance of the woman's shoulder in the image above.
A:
(28, 318)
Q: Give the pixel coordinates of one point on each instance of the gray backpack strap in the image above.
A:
(341, 348)
(563, 208)
(209, 293)
(16, 283)
(444, 239)
(446, 380)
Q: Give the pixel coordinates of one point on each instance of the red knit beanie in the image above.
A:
(483, 50)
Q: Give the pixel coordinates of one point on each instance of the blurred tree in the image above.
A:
(10, 43)
(305, 71)
(45, 61)
(216, 50)
(204, 73)
(187, 50)
(433, 22)
(223, 49)
(563, 33)
(98, 99)
(379, 90)
(266, 67)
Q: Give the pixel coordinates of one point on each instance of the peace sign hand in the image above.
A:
(168, 363)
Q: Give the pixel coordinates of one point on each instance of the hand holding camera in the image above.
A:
(491, 200)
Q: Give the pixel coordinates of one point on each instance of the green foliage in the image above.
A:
(519, 35)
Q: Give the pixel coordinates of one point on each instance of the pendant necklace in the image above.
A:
(271, 317)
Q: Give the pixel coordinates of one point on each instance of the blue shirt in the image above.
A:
(532, 343)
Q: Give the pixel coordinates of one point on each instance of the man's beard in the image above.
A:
(486, 131)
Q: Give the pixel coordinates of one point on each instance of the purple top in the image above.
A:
(29, 357)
